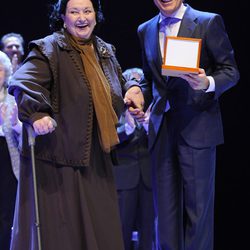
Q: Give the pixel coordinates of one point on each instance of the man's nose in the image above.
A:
(14, 47)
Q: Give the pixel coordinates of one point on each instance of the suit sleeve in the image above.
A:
(225, 71)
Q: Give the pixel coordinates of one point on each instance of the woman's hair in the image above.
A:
(6, 63)
(59, 8)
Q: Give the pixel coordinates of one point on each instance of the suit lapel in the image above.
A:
(188, 23)
(152, 47)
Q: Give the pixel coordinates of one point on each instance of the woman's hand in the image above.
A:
(134, 98)
(44, 125)
(135, 101)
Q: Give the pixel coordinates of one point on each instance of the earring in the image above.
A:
(64, 25)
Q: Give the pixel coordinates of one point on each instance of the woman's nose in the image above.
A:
(82, 16)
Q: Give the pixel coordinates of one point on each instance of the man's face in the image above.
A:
(167, 7)
(12, 46)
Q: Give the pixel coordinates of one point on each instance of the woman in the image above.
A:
(70, 78)
(10, 128)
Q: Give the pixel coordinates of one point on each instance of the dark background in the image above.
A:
(30, 18)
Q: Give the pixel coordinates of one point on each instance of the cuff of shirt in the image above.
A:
(211, 86)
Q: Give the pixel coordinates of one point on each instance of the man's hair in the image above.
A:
(12, 34)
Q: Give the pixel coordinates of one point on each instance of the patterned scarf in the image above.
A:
(100, 89)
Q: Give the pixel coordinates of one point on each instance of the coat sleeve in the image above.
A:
(31, 85)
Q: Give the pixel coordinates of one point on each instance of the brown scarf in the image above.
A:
(106, 116)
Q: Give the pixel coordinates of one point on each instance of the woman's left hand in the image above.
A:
(135, 102)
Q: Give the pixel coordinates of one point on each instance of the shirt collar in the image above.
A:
(179, 13)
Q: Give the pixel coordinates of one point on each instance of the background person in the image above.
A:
(10, 129)
(133, 178)
(185, 123)
(13, 45)
(72, 78)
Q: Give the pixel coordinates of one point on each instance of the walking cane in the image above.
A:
(31, 140)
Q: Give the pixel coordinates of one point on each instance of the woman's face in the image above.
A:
(80, 18)
(2, 75)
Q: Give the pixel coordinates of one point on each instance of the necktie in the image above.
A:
(167, 22)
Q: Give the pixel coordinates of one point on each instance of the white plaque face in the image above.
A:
(182, 53)
(181, 56)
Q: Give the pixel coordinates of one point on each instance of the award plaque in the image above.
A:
(181, 56)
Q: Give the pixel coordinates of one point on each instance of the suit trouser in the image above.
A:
(137, 213)
(183, 185)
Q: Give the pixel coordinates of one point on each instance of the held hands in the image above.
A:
(197, 81)
(44, 125)
(135, 101)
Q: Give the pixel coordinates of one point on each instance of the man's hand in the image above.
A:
(197, 81)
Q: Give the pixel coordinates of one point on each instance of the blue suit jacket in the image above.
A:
(197, 112)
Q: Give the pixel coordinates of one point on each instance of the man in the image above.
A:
(12, 44)
(185, 123)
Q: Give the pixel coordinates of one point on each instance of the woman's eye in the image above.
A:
(88, 11)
